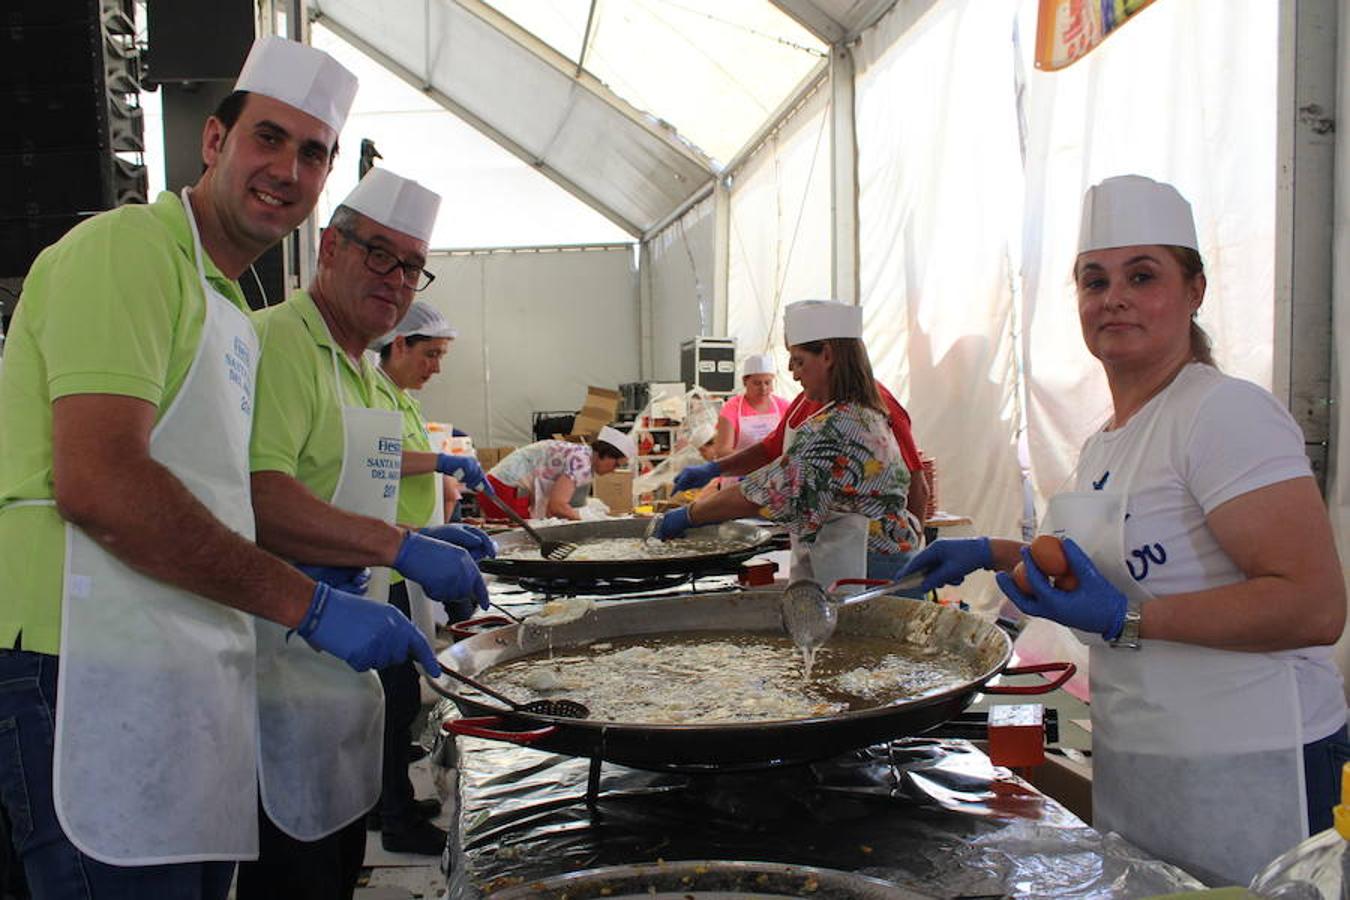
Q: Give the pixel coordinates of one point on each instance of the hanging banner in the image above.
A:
(1067, 30)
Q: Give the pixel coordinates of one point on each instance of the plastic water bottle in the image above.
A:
(1318, 868)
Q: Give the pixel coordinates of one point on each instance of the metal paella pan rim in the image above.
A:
(744, 540)
(738, 745)
(710, 880)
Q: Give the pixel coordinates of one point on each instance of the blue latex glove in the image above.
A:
(950, 561)
(479, 545)
(1095, 605)
(348, 579)
(444, 571)
(697, 476)
(674, 523)
(363, 634)
(465, 468)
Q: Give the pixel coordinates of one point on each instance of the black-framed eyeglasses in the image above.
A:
(382, 262)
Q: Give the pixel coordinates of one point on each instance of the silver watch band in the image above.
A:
(1129, 631)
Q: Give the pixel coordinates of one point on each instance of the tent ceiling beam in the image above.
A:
(551, 57)
(486, 128)
(803, 91)
(585, 39)
(838, 26)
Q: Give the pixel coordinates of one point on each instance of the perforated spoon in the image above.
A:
(561, 708)
(810, 615)
(554, 550)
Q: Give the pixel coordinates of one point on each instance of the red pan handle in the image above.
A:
(1066, 669)
(481, 726)
(470, 627)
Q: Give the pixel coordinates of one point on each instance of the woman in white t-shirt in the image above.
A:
(1210, 591)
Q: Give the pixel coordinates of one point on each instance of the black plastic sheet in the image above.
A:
(932, 816)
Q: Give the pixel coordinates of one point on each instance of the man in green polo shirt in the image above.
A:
(126, 518)
(326, 456)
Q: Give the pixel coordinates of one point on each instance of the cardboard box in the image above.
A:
(615, 490)
(490, 456)
(601, 408)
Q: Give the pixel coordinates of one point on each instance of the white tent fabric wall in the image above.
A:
(939, 178)
(1338, 487)
(535, 328)
(679, 268)
(780, 230)
(1185, 93)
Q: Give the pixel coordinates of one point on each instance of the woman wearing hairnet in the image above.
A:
(1209, 585)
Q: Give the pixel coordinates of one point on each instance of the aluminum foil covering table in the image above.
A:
(932, 816)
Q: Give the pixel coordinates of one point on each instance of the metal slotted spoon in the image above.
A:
(554, 550)
(810, 615)
(560, 708)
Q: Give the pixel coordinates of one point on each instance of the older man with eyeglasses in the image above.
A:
(326, 458)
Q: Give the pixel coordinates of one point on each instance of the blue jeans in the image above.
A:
(54, 868)
(1322, 761)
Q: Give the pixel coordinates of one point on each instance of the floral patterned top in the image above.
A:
(536, 466)
(844, 459)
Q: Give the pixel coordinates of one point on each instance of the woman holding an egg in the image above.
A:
(1209, 591)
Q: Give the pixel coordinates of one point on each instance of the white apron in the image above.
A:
(422, 607)
(754, 428)
(1197, 752)
(320, 722)
(840, 548)
(155, 706)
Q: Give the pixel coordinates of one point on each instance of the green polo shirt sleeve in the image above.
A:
(418, 495)
(114, 307)
(287, 397)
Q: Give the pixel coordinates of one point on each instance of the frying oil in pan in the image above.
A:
(725, 676)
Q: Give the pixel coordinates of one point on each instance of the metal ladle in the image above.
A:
(810, 615)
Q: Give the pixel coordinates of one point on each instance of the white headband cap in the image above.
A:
(300, 76)
(1131, 210)
(619, 441)
(818, 320)
(395, 202)
(758, 364)
(423, 320)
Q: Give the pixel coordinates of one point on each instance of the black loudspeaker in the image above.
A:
(73, 130)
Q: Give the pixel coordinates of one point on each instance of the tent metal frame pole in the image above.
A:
(1305, 222)
(506, 143)
(844, 261)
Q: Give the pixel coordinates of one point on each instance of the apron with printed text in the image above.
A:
(155, 708)
(1197, 752)
(320, 722)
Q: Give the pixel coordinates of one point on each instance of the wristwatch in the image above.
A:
(1129, 629)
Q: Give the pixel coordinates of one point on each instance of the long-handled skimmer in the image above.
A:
(561, 708)
(554, 550)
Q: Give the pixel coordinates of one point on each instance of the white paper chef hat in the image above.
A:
(422, 319)
(817, 320)
(300, 76)
(1130, 210)
(395, 202)
(758, 364)
(619, 441)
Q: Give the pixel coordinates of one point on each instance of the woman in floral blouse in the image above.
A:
(539, 479)
(841, 484)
